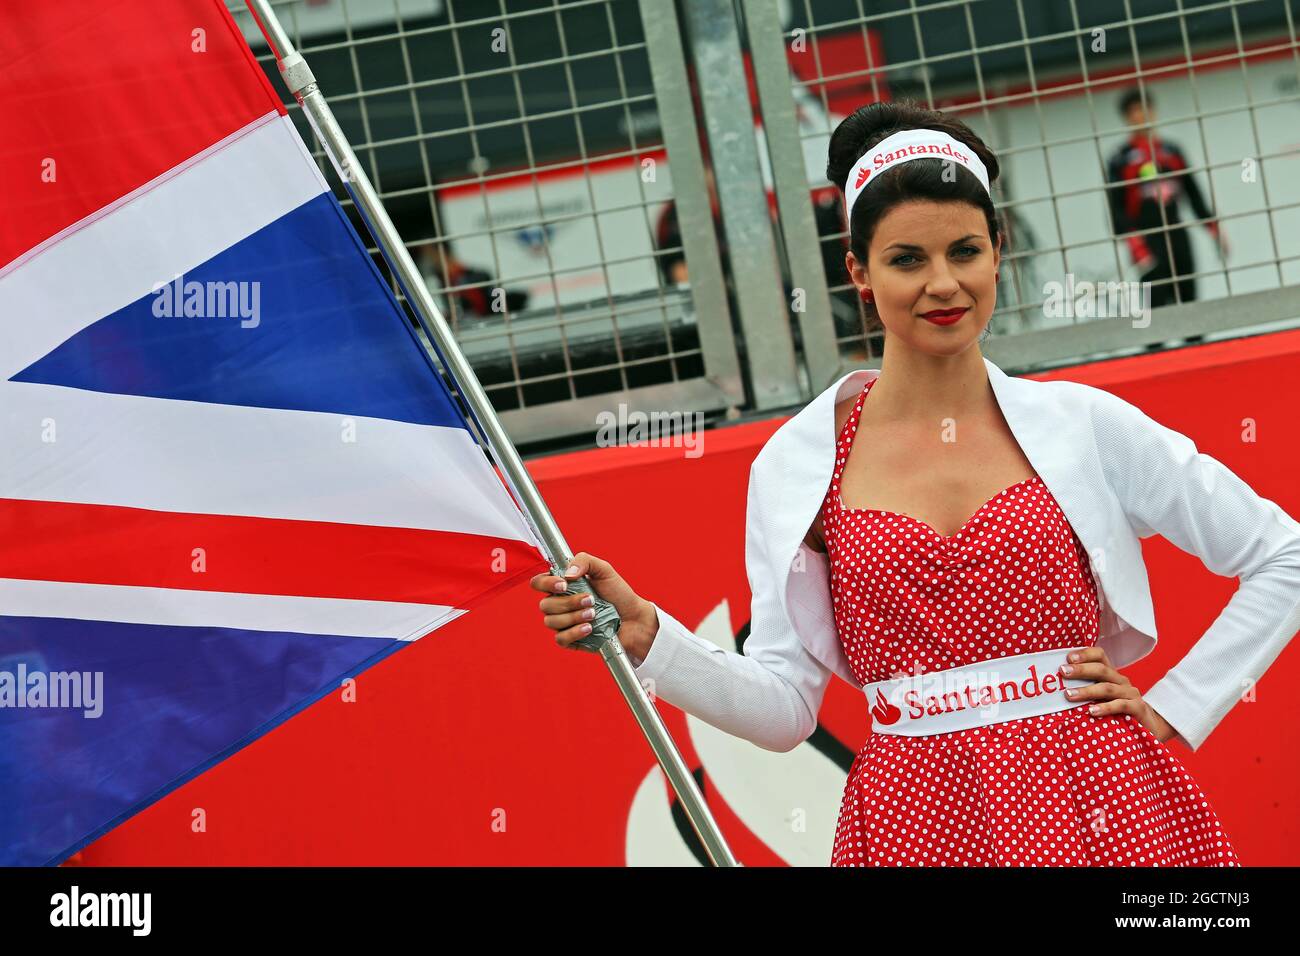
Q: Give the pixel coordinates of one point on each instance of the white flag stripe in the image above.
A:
(249, 612)
(171, 455)
(115, 257)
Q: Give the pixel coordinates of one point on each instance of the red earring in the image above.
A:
(867, 295)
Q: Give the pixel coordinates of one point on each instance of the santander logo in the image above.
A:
(863, 173)
(969, 690)
(884, 712)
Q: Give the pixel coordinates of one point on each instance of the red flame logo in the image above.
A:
(863, 173)
(884, 712)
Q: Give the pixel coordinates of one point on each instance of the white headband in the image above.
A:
(903, 146)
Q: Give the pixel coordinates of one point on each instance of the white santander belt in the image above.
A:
(974, 695)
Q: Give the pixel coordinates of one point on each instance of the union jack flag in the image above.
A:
(230, 477)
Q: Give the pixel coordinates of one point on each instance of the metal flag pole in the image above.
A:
(603, 638)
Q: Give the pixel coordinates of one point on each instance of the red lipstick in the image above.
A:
(945, 316)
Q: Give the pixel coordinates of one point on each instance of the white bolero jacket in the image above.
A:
(1117, 474)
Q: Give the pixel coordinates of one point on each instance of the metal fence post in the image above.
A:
(751, 244)
(790, 183)
(663, 41)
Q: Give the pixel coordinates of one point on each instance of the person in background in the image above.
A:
(668, 241)
(471, 288)
(1139, 201)
(668, 236)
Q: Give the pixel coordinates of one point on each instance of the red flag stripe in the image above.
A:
(157, 82)
(143, 548)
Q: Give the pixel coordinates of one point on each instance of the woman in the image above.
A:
(943, 536)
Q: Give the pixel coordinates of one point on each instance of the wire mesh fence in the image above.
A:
(1091, 194)
(551, 167)
(518, 150)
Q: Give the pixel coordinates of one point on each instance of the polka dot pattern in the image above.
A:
(1059, 789)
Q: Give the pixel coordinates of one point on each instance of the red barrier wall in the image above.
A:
(486, 744)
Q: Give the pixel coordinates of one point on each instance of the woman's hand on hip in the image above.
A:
(1111, 693)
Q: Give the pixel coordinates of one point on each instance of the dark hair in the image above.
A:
(1131, 98)
(920, 179)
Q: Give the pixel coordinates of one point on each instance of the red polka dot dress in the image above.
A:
(1058, 789)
